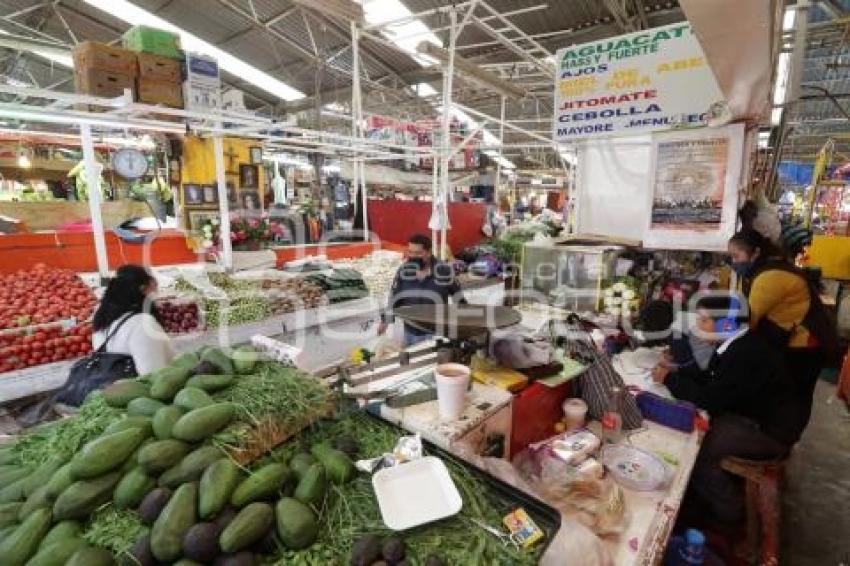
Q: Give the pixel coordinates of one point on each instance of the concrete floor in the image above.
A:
(816, 502)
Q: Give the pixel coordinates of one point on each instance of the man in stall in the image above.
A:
(750, 397)
(421, 280)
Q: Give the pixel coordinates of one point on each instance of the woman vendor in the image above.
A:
(781, 301)
(750, 398)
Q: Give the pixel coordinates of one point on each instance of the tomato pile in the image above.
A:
(20, 349)
(29, 302)
(42, 295)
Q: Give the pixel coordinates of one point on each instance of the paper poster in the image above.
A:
(693, 188)
(690, 182)
(653, 80)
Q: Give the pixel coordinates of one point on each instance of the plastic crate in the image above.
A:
(151, 40)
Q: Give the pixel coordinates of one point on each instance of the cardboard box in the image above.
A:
(158, 68)
(91, 55)
(167, 93)
(144, 39)
(104, 83)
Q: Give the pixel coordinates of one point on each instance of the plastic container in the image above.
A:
(634, 468)
(416, 493)
(575, 413)
(452, 383)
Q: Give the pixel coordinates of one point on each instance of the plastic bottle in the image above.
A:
(686, 550)
(612, 419)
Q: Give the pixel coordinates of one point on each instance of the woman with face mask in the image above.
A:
(780, 300)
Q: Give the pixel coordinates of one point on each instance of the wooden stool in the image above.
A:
(763, 506)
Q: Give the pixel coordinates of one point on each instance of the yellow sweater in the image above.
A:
(782, 298)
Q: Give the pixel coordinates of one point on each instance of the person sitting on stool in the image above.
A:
(751, 400)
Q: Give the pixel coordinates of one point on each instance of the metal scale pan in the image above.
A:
(458, 322)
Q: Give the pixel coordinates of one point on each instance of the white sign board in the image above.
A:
(652, 80)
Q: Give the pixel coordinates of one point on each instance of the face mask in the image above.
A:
(742, 268)
(417, 261)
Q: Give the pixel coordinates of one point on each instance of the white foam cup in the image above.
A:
(452, 383)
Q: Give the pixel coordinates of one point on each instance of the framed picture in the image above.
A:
(232, 196)
(250, 200)
(192, 194)
(248, 176)
(256, 155)
(197, 217)
(210, 194)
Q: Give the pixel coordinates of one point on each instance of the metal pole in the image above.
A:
(434, 195)
(223, 206)
(93, 183)
(498, 184)
(445, 152)
(357, 124)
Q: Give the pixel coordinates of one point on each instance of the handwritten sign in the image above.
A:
(656, 79)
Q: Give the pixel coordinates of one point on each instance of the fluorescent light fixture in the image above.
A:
(405, 35)
(788, 19)
(763, 139)
(50, 55)
(783, 71)
(135, 15)
(424, 90)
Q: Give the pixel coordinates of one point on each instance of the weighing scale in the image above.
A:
(462, 330)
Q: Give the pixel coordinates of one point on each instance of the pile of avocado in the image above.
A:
(158, 460)
(370, 550)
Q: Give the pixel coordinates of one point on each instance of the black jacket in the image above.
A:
(748, 379)
(437, 288)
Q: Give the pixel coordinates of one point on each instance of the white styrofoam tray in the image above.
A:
(416, 493)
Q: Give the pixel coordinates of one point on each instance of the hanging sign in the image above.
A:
(652, 80)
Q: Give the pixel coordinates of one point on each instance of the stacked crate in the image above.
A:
(159, 81)
(159, 62)
(103, 70)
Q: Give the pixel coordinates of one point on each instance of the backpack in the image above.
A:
(819, 321)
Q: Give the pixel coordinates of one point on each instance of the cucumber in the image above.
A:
(217, 484)
(191, 398)
(201, 423)
(249, 526)
(217, 357)
(210, 382)
(144, 407)
(187, 360)
(105, 453)
(37, 499)
(300, 463)
(164, 419)
(121, 392)
(60, 481)
(264, 483)
(313, 485)
(191, 467)
(9, 513)
(91, 556)
(57, 553)
(133, 488)
(167, 382)
(244, 359)
(22, 543)
(141, 422)
(84, 496)
(162, 454)
(60, 531)
(296, 524)
(338, 466)
(11, 474)
(42, 474)
(173, 523)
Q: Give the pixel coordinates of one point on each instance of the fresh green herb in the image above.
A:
(115, 530)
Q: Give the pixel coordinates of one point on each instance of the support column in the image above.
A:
(223, 205)
(93, 182)
(445, 150)
(357, 125)
(498, 184)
